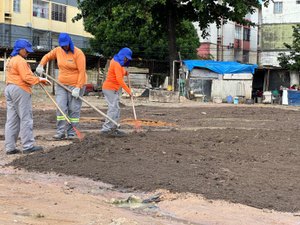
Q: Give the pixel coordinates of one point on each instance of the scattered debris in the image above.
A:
(135, 201)
(148, 122)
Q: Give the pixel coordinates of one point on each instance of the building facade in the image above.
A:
(40, 21)
(276, 29)
(231, 42)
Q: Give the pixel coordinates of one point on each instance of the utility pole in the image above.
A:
(220, 39)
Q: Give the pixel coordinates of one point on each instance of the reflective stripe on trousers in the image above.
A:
(112, 99)
(19, 118)
(70, 106)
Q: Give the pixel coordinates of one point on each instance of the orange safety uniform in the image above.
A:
(114, 79)
(71, 66)
(19, 73)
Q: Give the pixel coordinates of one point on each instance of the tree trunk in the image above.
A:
(171, 38)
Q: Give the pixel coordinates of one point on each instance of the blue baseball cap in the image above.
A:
(127, 52)
(64, 39)
(20, 44)
(124, 52)
(23, 43)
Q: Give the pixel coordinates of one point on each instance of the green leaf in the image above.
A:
(147, 26)
(291, 61)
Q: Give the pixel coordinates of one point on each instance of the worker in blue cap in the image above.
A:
(19, 81)
(71, 63)
(111, 89)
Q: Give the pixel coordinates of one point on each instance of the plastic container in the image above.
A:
(169, 88)
(229, 99)
(217, 100)
(294, 97)
(285, 100)
(236, 100)
(259, 100)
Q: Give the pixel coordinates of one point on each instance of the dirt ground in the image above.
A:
(193, 163)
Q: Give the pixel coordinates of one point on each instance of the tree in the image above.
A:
(291, 61)
(133, 27)
(159, 19)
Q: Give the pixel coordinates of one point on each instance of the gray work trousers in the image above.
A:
(19, 118)
(112, 98)
(71, 108)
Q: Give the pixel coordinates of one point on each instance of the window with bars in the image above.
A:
(17, 7)
(35, 40)
(238, 32)
(246, 34)
(277, 7)
(58, 12)
(40, 9)
(7, 37)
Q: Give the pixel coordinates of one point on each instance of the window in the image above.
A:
(7, 37)
(35, 40)
(238, 32)
(58, 12)
(17, 6)
(246, 34)
(41, 9)
(277, 7)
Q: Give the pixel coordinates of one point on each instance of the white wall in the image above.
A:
(270, 58)
(290, 13)
(212, 30)
(224, 88)
(228, 33)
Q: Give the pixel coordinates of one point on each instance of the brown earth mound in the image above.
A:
(248, 166)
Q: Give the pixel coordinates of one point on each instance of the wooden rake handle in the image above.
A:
(82, 99)
(132, 102)
(54, 102)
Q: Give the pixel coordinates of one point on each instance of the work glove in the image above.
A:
(40, 70)
(75, 92)
(44, 81)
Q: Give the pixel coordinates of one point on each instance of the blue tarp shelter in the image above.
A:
(221, 67)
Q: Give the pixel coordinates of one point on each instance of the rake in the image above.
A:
(82, 99)
(137, 123)
(78, 133)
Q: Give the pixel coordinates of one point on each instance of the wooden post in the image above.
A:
(268, 79)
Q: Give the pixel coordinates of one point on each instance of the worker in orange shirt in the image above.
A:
(111, 89)
(72, 73)
(19, 81)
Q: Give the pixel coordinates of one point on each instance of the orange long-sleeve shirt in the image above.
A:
(72, 69)
(18, 72)
(114, 79)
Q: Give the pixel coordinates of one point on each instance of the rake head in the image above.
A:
(79, 134)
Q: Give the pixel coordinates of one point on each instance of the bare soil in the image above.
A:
(240, 154)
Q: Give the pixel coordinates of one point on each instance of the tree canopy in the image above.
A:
(131, 25)
(291, 61)
(152, 27)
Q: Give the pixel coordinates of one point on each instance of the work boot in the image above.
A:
(15, 151)
(33, 149)
(118, 133)
(71, 137)
(59, 136)
(105, 132)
